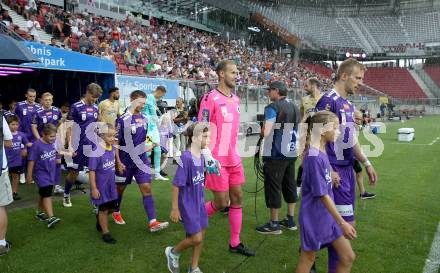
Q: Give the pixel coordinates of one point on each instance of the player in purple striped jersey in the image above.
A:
(25, 110)
(342, 153)
(131, 158)
(46, 114)
(82, 114)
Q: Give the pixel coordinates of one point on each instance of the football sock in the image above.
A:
(210, 208)
(149, 207)
(235, 221)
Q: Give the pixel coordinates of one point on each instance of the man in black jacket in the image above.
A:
(281, 119)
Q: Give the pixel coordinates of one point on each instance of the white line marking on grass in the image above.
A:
(408, 143)
(419, 144)
(434, 141)
(432, 263)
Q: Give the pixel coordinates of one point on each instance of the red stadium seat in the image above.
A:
(318, 68)
(41, 20)
(433, 72)
(74, 44)
(394, 81)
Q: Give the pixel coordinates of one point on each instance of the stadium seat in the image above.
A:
(394, 81)
(41, 21)
(74, 44)
(318, 68)
(434, 72)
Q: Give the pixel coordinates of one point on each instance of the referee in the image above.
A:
(281, 118)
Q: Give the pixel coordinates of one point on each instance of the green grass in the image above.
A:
(395, 230)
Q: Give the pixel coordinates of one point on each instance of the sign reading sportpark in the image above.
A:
(59, 59)
(128, 84)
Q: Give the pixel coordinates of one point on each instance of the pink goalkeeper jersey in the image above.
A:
(224, 115)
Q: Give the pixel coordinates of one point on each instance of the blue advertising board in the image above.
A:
(60, 59)
(128, 84)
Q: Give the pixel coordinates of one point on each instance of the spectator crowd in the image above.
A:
(162, 49)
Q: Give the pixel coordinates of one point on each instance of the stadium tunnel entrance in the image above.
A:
(65, 74)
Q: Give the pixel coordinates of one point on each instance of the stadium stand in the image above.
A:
(178, 52)
(434, 72)
(396, 82)
(335, 32)
(168, 50)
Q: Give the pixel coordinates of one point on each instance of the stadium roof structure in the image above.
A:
(322, 3)
(186, 8)
(392, 4)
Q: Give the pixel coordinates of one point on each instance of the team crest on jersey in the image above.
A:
(133, 129)
(224, 110)
(327, 107)
(205, 115)
(55, 117)
(95, 115)
(83, 116)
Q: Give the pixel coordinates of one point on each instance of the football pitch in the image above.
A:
(395, 230)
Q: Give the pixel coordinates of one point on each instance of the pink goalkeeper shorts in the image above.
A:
(229, 176)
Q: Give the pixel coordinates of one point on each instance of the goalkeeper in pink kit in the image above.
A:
(225, 174)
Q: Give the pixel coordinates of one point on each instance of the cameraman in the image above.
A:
(281, 119)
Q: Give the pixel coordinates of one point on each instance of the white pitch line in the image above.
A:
(434, 141)
(432, 263)
(409, 143)
(420, 144)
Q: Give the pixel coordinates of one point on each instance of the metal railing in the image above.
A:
(253, 98)
(5, 30)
